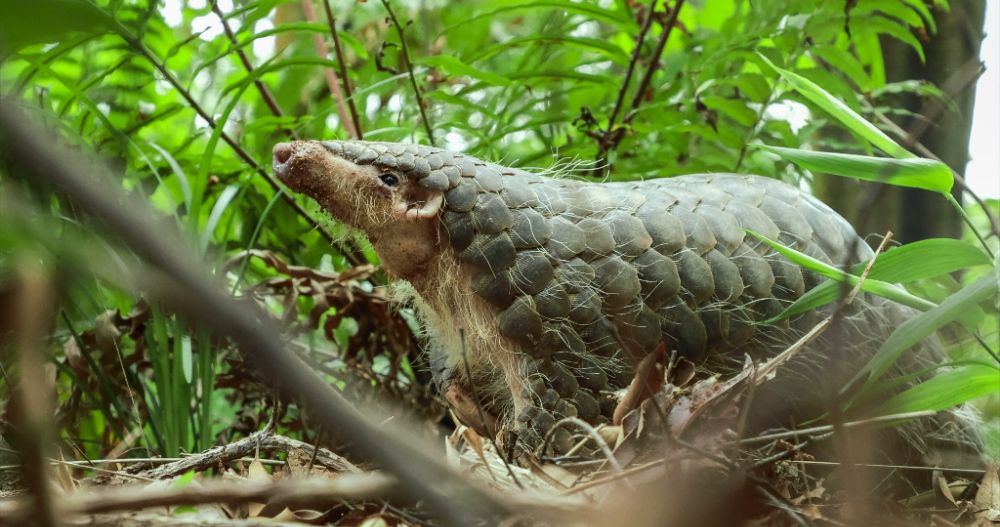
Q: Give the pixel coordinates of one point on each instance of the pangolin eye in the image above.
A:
(389, 180)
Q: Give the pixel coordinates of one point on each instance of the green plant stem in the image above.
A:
(965, 217)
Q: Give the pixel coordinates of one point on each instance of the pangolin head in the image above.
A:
(366, 185)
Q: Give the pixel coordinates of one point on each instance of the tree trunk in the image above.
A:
(953, 65)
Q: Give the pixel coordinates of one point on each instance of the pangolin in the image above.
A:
(553, 288)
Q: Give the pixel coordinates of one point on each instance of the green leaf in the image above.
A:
(946, 390)
(735, 109)
(915, 172)
(595, 12)
(885, 26)
(917, 328)
(183, 480)
(893, 8)
(175, 167)
(602, 47)
(187, 359)
(914, 261)
(221, 204)
(877, 287)
(840, 111)
(454, 66)
(846, 63)
(44, 21)
(925, 13)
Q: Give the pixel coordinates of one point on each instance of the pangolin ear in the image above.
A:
(425, 207)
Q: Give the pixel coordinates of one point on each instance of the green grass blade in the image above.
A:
(453, 66)
(221, 204)
(913, 172)
(182, 176)
(917, 328)
(914, 261)
(946, 390)
(840, 111)
(877, 287)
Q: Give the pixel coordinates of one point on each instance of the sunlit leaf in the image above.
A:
(926, 174)
(840, 111)
(945, 390)
(44, 21)
(877, 287)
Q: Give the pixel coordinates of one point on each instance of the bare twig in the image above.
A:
(409, 69)
(265, 94)
(783, 505)
(332, 83)
(828, 428)
(956, 470)
(639, 40)
(332, 22)
(590, 431)
(186, 286)
(247, 447)
(654, 61)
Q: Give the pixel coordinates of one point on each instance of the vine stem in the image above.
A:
(409, 70)
(342, 64)
(608, 139)
(331, 77)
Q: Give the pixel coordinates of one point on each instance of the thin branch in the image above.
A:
(970, 471)
(409, 69)
(32, 405)
(608, 139)
(332, 83)
(639, 40)
(926, 152)
(322, 491)
(828, 428)
(186, 286)
(590, 431)
(654, 63)
(332, 22)
(265, 94)
(248, 446)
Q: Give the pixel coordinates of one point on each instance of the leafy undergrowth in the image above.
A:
(117, 368)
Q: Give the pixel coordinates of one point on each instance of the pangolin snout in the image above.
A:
(282, 155)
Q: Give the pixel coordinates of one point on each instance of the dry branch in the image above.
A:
(316, 493)
(248, 446)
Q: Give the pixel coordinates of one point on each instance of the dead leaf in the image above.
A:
(374, 521)
(942, 485)
(257, 473)
(649, 378)
(987, 500)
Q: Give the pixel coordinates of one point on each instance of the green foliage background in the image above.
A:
(527, 83)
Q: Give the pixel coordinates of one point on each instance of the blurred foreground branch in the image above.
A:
(188, 288)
